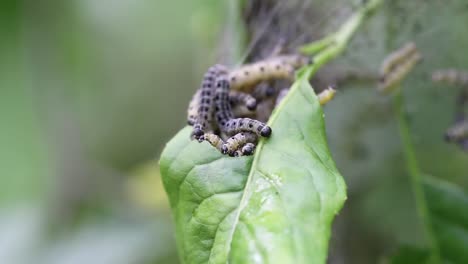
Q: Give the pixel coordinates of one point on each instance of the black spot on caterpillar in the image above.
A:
(247, 150)
(225, 117)
(247, 76)
(397, 57)
(458, 132)
(398, 72)
(205, 101)
(451, 76)
(237, 141)
(241, 98)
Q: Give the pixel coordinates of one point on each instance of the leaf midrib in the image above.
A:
(257, 155)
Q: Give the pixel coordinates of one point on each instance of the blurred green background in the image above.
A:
(91, 90)
(89, 93)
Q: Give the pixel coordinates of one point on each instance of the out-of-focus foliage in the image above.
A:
(91, 90)
(89, 93)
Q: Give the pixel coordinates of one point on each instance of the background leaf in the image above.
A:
(275, 207)
(448, 206)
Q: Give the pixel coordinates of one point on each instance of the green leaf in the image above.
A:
(275, 207)
(410, 255)
(448, 205)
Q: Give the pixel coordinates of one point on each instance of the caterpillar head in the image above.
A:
(248, 149)
(266, 131)
(224, 149)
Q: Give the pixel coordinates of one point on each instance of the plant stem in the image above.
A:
(333, 45)
(415, 175)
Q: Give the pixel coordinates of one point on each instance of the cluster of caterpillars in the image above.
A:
(224, 111)
(458, 132)
(396, 66)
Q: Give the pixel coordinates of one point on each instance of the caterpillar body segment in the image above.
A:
(451, 76)
(394, 77)
(225, 117)
(326, 95)
(215, 140)
(247, 76)
(263, 90)
(205, 101)
(458, 132)
(192, 111)
(238, 125)
(397, 57)
(237, 142)
(243, 111)
(247, 150)
(241, 98)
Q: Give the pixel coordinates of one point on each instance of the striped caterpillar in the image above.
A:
(241, 144)
(225, 118)
(205, 102)
(236, 99)
(395, 58)
(247, 76)
(237, 142)
(396, 66)
(451, 76)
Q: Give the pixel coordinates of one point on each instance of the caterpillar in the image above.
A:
(243, 104)
(326, 95)
(192, 111)
(458, 132)
(243, 111)
(205, 101)
(241, 98)
(263, 90)
(215, 140)
(247, 150)
(388, 81)
(238, 141)
(247, 76)
(451, 76)
(224, 115)
(395, 58)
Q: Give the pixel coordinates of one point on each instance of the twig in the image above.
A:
(415, 176)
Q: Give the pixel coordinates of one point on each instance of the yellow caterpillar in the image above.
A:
(396, 75)
(395, 58)
(214, 140)
(326, 95)
(247, 76)
(451, 76)
(238, 141)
